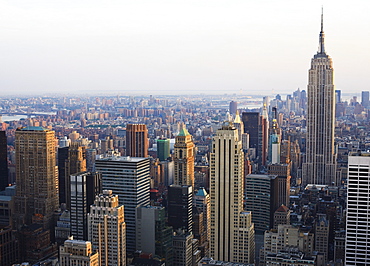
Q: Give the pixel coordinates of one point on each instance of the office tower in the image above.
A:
(129, 178)
(136, 140)
(322, 235)
(265, 134)
(184, 158)
(274, 140)
(233, 107)
(182, 249)
(90, 160)
(281, 184)
(36, 196)
(62, 159)
(232, 232)
(107, 229)
(260, 196)
(320, 164)
(253, 126)
(163, 149)
(365, 99)
(338, 96)
(84, 187)
(71, 160)
(3, 161)
(358, 209)
(153, 235)
(198, 226)
(202, 202)
(77, 252)
(180, 204)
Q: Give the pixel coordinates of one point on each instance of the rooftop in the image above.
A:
(33, 129)
(123, 159)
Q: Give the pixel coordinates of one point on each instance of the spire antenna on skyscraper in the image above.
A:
(322, 35)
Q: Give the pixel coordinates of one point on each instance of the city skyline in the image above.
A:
(209, 47)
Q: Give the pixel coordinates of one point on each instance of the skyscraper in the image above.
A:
(107, 227)
(232, 231)
(71, 160)
(153, 235)
(129, 178)
(253, 126)
(184, 158)
(233, 107)
(358, 209)
(3, 161)
(180, 204)
(365, 99)
(36, 196)
(274, 140)
(136, 140)
(163, 149)
(320, 162)
(84, 187)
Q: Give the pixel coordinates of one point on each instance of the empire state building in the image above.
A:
(320, 162)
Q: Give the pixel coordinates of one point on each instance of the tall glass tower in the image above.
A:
(320, 162)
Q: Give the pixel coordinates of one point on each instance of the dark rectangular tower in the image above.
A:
(3, 161)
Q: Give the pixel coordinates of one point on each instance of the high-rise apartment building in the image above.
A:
(358, 209)
(184, 159)
(129, 178)
(36, 196)
(3, 161)
(320, 162)
(232, 231)
(107, 228)
(84, 187)
(78, 252)
(137, 140)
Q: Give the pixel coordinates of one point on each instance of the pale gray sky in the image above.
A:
(178, 47)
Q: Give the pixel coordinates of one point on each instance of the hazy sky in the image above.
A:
(179, 47)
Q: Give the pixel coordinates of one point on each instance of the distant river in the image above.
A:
(8, 118)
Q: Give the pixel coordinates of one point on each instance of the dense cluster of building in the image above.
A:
(187, 180)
